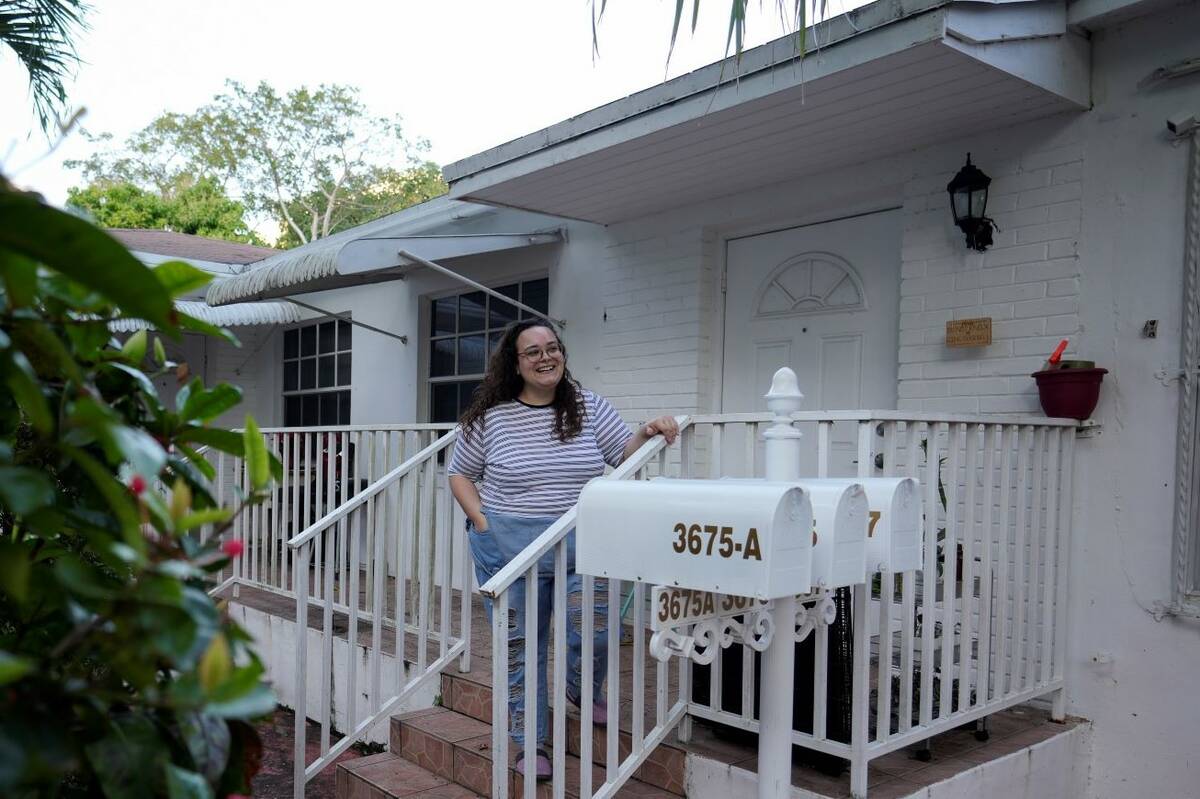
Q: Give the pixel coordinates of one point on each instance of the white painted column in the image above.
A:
(775, 725)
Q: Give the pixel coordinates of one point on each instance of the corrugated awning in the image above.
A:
(235, 315)
(356, 257)
(882, 79)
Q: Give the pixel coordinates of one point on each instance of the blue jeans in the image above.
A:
(491, 550)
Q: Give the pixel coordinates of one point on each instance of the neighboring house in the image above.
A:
(252, 323)
(700, 234)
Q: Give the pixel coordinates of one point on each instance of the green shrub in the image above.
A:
(119, 675)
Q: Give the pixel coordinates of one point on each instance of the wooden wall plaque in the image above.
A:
(969, 332)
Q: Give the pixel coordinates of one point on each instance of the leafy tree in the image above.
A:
(120, 676)
(313, 159)
(201, 208)
(41, 33)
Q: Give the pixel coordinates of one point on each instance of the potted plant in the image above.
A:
(1069, 389)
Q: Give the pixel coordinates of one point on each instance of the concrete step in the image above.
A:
(467, 695)
(458, 747)
(387, 776)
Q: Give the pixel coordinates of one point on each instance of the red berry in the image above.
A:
(137, 484)
(233, 548)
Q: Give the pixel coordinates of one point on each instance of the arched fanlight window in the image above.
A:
(811, 283)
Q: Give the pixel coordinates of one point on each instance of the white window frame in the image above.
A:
(427, 336)
(336, 388)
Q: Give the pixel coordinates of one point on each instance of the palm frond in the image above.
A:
(41, 33)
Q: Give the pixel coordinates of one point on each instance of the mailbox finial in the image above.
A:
(784, 396)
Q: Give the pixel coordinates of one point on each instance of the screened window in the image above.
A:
(316, 374)
(464, 329)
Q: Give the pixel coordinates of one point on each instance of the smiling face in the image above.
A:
(544, 369)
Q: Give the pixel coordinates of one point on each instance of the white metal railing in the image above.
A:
(323, 467)
(668, 711)
(980, 628)
(389, 557)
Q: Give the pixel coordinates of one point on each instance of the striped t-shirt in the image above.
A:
(522, 467)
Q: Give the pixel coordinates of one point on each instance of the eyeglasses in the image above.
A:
(536, 353)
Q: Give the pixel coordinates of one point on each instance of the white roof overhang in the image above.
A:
(888, 77)
(235, 315)
(358, 260)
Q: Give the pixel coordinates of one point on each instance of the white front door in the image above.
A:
(823, 299)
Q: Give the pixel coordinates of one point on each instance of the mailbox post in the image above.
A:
(775, 722)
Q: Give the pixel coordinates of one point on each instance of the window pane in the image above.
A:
(500, 313)
(291, 412)
(441, 361)
(343, 407)
(326, 371)
(465, 392)
(344, 335)
(536, 295)
(291, 343)
(308, 340)
(444, 405)
(494, 341)
(343, 369)
(308, 373)
(444, 311)
(470, 355)
(325, 339)
(291, 375)
(311, 412)
(470, 312)
(329, 408)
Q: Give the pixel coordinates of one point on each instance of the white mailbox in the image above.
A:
(749, 538)
(840, 517)
(894, 529)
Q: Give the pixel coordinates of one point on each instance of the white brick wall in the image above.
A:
(1028, 282)
(656, 346)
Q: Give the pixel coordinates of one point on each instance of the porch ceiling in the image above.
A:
(888, 78)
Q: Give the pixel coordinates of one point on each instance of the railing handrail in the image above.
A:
(867, 415)
(361, 428)
(517, 567)
(343, 510)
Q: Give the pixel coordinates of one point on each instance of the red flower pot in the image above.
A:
(1069, 393)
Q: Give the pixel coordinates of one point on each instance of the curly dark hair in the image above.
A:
(503, 383)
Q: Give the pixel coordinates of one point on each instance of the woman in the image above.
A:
(532, 438)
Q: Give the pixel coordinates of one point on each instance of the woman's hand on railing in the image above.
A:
(666, 426)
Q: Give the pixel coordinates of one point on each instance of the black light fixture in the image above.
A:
(968, 202)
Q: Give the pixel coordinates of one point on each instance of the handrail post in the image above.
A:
(782, 453)
(300, 580)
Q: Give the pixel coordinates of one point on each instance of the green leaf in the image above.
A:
(22, 490)
(129, 760)
(197, 460)
(257, 463)
(206, 404)
(144, 454)
(180, 277)
(13, 668)
(27, 391)
(144, 383)
(256, 703)
(84, 253)
(115, 494)
(134, 348)
(200, 326)
(208, 740)
(183, 784)
(203, 517)
(225, 440)
(160, 353)
(20, 279)
(15, 566)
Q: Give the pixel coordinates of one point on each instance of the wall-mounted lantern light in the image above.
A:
(968, 202)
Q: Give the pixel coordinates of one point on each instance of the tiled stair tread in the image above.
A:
(664, 767)
(386, 775)
(440, 740)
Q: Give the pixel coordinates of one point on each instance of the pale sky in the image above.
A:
(464, 74)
